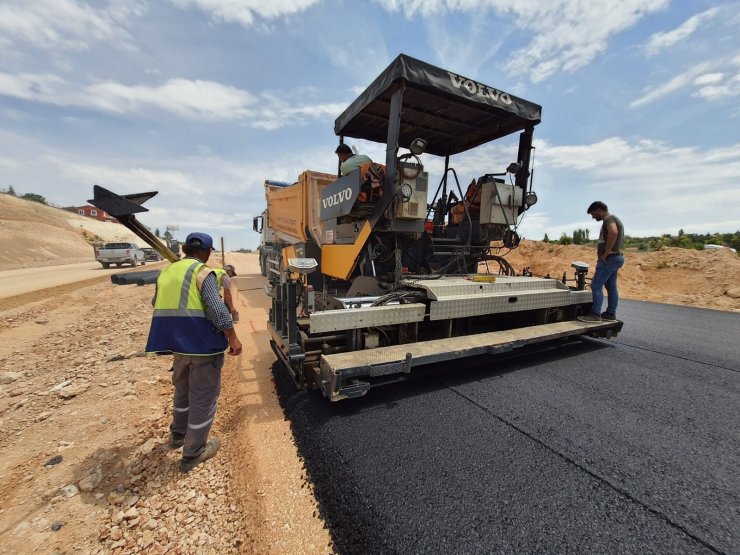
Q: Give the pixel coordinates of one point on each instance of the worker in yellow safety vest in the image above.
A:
(191, 321)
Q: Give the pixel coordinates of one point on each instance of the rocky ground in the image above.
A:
(85, 417)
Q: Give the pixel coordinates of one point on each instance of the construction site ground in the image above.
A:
(84, 412)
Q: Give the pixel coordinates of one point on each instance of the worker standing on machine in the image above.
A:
(610, 261)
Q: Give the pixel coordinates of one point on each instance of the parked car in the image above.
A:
(119, 254)
(151, 255)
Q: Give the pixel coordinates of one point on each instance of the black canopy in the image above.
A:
(451, 112)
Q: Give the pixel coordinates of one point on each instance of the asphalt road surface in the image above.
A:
(624, 446)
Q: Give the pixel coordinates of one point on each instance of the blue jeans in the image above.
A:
(606, 276)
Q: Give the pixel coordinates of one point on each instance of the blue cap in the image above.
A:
(199, 241)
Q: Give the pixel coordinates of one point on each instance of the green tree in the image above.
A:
(546, 239)
(11, 191)
(680, 232)
(156, 232)
(565, 239)
(168, 235)
(580, 236)
(33, 197)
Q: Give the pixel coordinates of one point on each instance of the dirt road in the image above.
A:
(27, 280)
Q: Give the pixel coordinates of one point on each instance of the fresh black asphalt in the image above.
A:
(623, 446)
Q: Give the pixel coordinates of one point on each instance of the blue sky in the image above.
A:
(202, 100)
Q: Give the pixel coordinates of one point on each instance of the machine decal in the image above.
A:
(478, 89)
(337, 198)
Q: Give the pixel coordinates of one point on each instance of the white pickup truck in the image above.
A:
(120, 253)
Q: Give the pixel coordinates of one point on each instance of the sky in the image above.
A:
(203, 100)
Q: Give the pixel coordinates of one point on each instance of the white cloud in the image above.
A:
(568, 34)
(126, 180)
(719, 89)
(709, 86)
(194, 100)
(654, 187)
(675, 83)
(469, 55)
(617, 160)
(709, 79)
(661, 41)
(39, 87)
(190, 99)
(66, 24)
(205, 193)
(246, 12)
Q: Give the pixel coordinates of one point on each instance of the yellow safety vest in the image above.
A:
(179, 323)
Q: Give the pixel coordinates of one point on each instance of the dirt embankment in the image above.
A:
(38, 235)
(709, 279)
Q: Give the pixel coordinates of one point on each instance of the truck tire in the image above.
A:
(143, 262)
(105, 265)
(134, 262)
(263, 264)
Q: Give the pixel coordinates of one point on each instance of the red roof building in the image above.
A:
(93, 212)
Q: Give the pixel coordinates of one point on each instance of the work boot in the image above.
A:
(590, 318)
(211, 449)
(176, 440)
(607, 316)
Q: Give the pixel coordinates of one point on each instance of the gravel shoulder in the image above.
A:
(85, 415)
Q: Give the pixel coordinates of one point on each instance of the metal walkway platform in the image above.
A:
(402, 358)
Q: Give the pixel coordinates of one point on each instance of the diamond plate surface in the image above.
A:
(461, 306)
(438, 289)
(355, 318)
(578, 297)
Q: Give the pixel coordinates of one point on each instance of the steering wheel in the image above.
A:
(402, 171)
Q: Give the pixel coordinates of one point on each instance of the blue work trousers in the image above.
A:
(606, 276)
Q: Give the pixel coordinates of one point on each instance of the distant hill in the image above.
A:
(38, 235)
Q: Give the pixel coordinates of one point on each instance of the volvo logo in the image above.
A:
(479, 89)
(337, 198)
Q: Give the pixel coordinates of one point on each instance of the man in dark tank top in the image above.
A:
(610, 260)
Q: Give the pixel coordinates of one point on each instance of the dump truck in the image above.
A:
(372, 276)
(271, 246)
